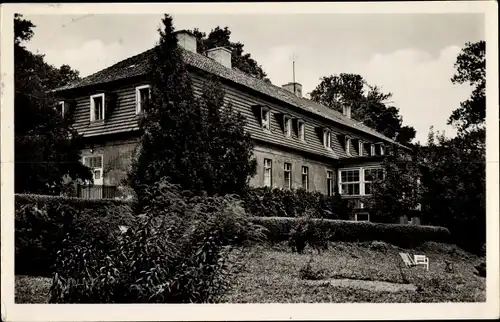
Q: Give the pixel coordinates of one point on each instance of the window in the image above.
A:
(305, 178)
(268, 163)
(266, 119)
(288, 175)
(94, 162)
(382, 149)
(359, 182)
(288, 126)
(347, 111)
(142, 93)
(360, 148)
(350, 182)
(301, 130)
(327, 139)
(370, 176)
(329, 183)
(61, 108)
(348, 146)
(372, 149)
(362, 217)
(97, 107)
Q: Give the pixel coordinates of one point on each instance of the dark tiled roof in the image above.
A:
(138, 65)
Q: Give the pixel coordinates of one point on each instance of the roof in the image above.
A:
(138, 65)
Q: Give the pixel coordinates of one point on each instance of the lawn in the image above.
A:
(351, 272)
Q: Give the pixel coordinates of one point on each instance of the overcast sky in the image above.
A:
(409, 55)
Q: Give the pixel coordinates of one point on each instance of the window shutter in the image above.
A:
(110, 105)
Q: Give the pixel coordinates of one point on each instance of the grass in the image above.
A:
(272, 275)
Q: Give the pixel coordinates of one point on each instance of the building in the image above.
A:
(298, 142)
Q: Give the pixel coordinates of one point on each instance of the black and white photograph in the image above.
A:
(212, 154)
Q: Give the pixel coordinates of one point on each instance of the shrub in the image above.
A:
(279, 228)
(304, 232)
(267, 202)
(42, 222)
(181, 250)
(309, 273)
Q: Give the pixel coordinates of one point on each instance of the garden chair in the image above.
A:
(415, 261)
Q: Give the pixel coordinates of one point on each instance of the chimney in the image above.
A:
(186, 40)
(221, 55)
(295, 88)
(346, 110)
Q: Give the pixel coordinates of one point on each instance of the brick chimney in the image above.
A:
(221, 55)
(186, 40)
(295, 88)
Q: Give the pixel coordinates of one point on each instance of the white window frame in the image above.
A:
(268, 168)
(266, 125)
(327, 138)
(329, 183)
(287, 125)
(301, 132)
(361, 181)
(382, 149)
(348, 145)
(305, 172)
(360, 148)
(138, 107)
(372, 149)
(62, 105)
(100, 181)
(288, 184)
(92, 107)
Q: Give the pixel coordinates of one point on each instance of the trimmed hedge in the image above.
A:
(42, 222)
(267, 202)
(279, 229)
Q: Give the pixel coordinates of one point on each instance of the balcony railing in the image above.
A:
(97, 192)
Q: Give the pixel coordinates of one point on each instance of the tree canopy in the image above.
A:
(220, 37)
(47, 149)
(368, 104)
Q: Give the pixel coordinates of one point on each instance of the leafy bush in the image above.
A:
(267, 202)
(42, 222)
(309, 273)
(279, 228)
(305, 232)
(181, 250)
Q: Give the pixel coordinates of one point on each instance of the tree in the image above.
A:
(220, 37)
(368, 104)
(471, 68)
(397, 189)
(47, 149)
(195, 143)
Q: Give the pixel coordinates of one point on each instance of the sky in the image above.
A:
(408, 55)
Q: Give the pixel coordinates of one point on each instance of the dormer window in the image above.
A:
(327, 138)
(266, 119)
(348, 146)
(61, 107)
(287, 125)
(97, 107)
(142, 93)
(301, 130)
(360, 148)
(347, 110)
(382, 149)
(372, 149)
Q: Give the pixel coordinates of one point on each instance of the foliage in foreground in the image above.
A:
(42, 222)
(181, 250)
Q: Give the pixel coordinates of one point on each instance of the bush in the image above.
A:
(42, 222)
(181, 250)
(305, 232)
(309, 273)
(267, 202)
(279, 228)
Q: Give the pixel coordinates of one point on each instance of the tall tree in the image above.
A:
(368, 104)
(47, 149)
(471, 69)
(199, 144)
(220, 37)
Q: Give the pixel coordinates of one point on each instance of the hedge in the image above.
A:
(279, 229)
(42, 222)
(267, 202)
